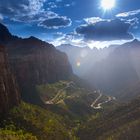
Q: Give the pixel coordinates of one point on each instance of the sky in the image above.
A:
(92, 23)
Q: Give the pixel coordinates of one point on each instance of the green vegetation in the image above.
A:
(68, 96)
(123, 123)
(71, 100)
(48, 91)
(128, 131)
(7, 134)
(70, 117)
(32, 122)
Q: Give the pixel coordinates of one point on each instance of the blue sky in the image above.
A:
(79, 22)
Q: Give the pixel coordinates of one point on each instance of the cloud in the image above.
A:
(56, 22)
(77, 40)
(1, 17)
(58, 4)
(23, 10)
(133, 21)
(52, 5)
(40, 16)
(105, 30)
(131, 17)
(32, 11)
(15, 7)
(130, 13)
(69, 38)
(69, 4)
(93, 20)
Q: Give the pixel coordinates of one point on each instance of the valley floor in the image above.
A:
(72, 113)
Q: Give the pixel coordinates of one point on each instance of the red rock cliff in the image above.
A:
(9, 95)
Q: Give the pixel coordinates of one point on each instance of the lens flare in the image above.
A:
(78, 64)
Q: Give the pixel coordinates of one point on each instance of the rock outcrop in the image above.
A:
(35, 62)
(9, 94)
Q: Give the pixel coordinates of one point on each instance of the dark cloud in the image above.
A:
(106, 30)
(56, 22)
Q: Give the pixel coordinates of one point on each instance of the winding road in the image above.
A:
(51, 102)
(99, 105)
(94, 104)
(97, 99)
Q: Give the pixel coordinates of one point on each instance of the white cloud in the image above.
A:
(59, 4)
(71, 38)
(133, 21)
(93, 20)
(15, 9)
(77, 40)
(1, 17)
(40, 16)
(23, 7)
(33, 11)
(130, 13)
(36, 5)
(52, 5)
(82, 43)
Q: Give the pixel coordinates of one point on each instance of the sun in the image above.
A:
(107, 4)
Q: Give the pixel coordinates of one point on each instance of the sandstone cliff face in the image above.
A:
(38, 62)
(35, 62)
(9, 95)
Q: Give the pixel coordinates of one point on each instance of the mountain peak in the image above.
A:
(4, 33)
(2, 26)
(136, 41)
(4, 29)
(33, 38)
